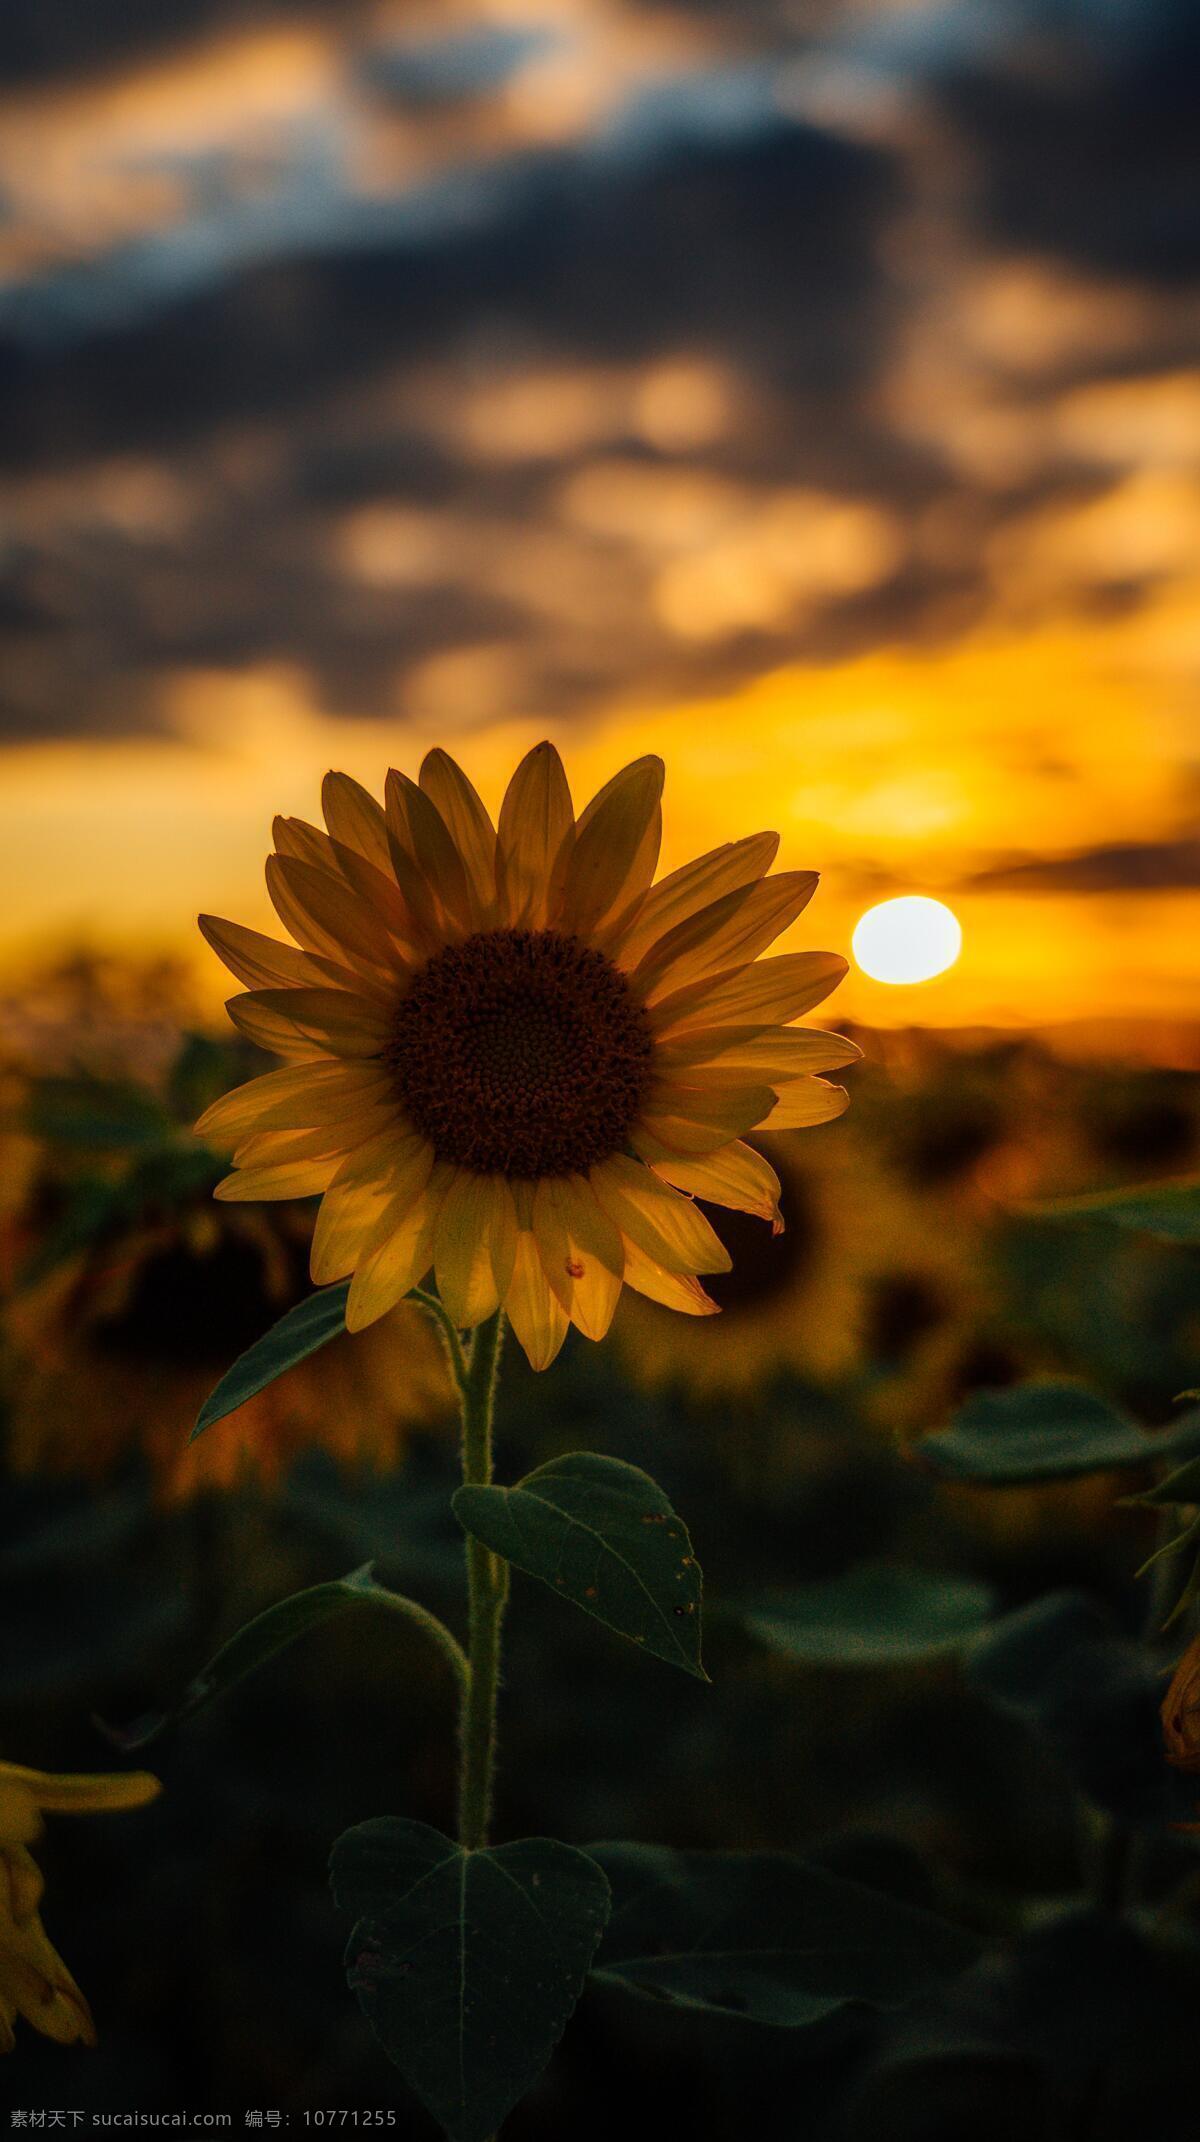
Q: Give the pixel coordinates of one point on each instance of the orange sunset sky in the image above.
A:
(792, 390)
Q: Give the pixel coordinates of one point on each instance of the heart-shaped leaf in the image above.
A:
(1169, 1210)
(312, 1323)
(467, 1965)
(765, 1936)
(603, 1534)
(878, 1614)
(1046, 1431)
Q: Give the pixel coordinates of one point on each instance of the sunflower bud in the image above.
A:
(1181, 1711)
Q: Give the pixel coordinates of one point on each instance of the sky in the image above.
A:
(807, 390)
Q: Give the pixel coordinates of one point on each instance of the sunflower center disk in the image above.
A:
(521, 1052)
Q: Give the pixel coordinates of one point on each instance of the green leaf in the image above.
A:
(467, 1965)
(877, 1614)
(603, 1534)
(1180, 1487)
(1091, 1696)
(1046, 1431)
(94, 1112)
(765, 1936)
(1171, 1211)
(312, 1323)
(258, 1641)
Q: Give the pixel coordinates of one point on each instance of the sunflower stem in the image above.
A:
(487, 1590)
(439, 1315)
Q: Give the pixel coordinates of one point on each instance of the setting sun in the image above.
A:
(907, 940)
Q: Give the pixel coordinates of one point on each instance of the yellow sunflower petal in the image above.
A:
(669, 1228)
(35, 1983)
(261, 963)
(710, 1106)
(806, 1101)
(393, 1169)
(684, 892)
(294, 837)
(469, 827)
(332, 1019)
(462, 1249)
(19, 1871)
(615, 851)
(20, 1822)
(355, 819)
(771, 1051)
(770, 991)
(414, 817)
(735, 928)
(537, 1317)
(378, 888)
(675, 1290)
(324, 915)
(735, 1176)
(348, 1212)
(580, 1249)
(299, 1097)
(537, 831)
(86, 1792)
(287, 1178)
(266, 1148)
(397, 1252)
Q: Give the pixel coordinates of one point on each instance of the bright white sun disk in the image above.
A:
(907, 940)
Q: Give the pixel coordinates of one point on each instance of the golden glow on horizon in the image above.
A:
(909, 939)
(930, 766)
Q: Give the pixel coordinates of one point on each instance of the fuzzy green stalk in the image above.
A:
(487, 1590)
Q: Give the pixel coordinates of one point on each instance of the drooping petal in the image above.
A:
(537, 1317)
(83, 1792)
(355, 819)
(735, 1176)
(397, 1252)
(462, 1250)
(684, 892)
(286, 1178)
(669, 1228)
(806, 1101)
(537, 829)
(615, 851)
(469, 826)
(35, 1983)
(675, 1290)
(773, 991)
(772, 1051)
(732, 930)
(299, 1097)
(581, 1252)
(332, 1019)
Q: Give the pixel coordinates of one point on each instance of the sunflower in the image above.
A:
(513, 1057)
(34, 1980)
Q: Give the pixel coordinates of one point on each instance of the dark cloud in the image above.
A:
(1082, 127)
(286, 353)
(1122, 866)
